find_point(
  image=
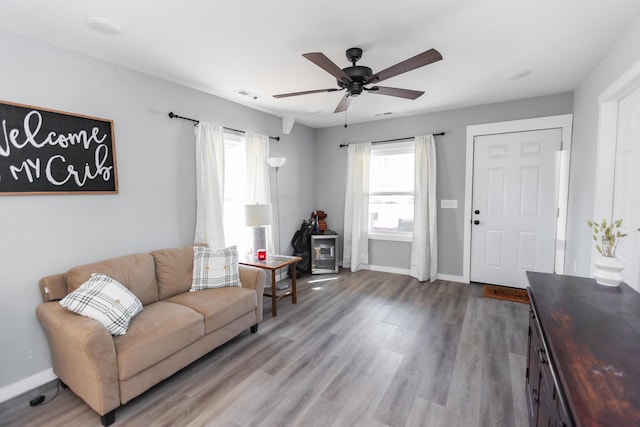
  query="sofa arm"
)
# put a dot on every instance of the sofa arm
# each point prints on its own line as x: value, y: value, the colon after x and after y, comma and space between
x: 53, y: 288
x: 83, y: 356
x: 253, y: 278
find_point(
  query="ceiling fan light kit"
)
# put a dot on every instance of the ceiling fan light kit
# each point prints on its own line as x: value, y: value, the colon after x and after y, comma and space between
x: 356, y: 78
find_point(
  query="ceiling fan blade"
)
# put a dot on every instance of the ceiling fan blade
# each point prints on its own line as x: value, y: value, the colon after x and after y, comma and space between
x: 306, y: 92
x: 344, y: 104
x: 394, y: 91
x: 420, y: 60
x: 328, y: 65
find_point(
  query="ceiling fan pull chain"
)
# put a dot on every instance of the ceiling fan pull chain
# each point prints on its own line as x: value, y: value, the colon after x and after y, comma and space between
x: 345, y: 118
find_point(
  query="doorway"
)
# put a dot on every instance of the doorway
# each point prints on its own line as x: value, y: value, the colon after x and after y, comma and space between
x: 616, y: 172
x: 626, y: 203
x: 514, y: 204
x: 505, y: 250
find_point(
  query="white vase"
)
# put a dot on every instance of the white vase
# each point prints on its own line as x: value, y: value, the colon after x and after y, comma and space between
x: 607, y: 271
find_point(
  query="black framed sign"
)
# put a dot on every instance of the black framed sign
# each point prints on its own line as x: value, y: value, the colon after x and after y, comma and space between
x: 45, y: 151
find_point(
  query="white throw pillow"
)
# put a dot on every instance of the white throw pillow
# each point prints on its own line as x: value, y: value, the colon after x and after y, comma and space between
x: 215, y: 269
x: 106, y: 300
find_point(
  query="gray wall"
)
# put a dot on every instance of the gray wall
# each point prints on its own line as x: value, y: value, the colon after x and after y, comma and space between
x: 620, y: 57
x: 450, y: 154
x: 155, y: 208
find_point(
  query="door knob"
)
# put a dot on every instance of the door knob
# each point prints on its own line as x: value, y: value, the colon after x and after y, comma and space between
x: 476, y: 222
x: 476, y: 212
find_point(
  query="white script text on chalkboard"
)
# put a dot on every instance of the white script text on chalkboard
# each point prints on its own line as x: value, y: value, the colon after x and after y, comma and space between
x: 45, y: 151
x: 83, y: 137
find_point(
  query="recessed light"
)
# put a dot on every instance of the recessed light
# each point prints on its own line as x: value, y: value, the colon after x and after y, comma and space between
x: 103, y: 25
x: 517, y: 75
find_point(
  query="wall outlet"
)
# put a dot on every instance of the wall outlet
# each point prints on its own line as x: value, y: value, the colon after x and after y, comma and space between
x: 449, y: 204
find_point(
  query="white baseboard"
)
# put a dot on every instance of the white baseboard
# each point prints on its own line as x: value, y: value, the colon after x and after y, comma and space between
x: 22, y: 386
x: 405, y: 271
x: 450, y: 278
x: 385, y: 269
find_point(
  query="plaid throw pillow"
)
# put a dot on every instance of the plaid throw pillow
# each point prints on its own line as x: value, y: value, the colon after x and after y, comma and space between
x: 106, y: 300
x: 215, y: 269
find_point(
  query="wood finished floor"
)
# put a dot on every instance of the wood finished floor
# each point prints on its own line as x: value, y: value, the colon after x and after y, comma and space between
x: 365, y: 349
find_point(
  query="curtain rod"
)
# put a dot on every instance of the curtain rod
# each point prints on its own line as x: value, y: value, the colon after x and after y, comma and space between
x: 175, y: 116
x: 393, y: 140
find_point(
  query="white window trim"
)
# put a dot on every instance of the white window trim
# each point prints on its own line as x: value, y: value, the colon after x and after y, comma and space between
x: 231, y: 137
x: 234, y: 141
x: 395, y: 236
x: 385, y: 150
x: 393, y: 148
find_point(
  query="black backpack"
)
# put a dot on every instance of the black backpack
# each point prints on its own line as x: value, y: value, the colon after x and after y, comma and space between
x: 301, y: 243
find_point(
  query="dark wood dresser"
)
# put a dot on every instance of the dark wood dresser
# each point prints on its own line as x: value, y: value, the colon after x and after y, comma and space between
x: 584, y: 353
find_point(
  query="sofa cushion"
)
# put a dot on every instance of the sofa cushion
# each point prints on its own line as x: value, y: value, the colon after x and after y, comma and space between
x: 215, y: 268
x: 219, y: 307
x: 136, y: 272
x: 174, y: 270
x: 161, y: 330
x: 103, y: 299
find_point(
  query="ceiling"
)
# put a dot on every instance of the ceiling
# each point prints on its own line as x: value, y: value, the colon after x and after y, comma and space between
x: 223, y: 46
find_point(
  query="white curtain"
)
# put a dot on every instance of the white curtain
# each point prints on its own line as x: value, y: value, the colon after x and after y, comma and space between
x: 258, y: 188
x: 209, y: 185
x: 356, y: 207
x: 424, y: 247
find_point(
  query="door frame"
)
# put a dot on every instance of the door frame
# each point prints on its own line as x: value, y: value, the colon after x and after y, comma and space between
x: 607, y: 142
x: 564, y: 122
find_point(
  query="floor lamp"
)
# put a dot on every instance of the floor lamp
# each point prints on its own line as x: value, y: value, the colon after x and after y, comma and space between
x: 277, y: 162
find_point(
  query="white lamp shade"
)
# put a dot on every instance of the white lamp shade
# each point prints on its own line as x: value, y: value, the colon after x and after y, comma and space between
x: 276, y: 162
x: 259, y: 214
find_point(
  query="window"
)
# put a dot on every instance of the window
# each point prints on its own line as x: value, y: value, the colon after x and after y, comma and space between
x: 391, y: 181
x: 235, y: 184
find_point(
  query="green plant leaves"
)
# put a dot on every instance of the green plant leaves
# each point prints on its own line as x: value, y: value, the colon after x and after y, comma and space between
x: 609, y: 236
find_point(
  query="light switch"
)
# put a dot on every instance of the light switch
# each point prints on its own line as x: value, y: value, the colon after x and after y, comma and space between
x: 449, y: 204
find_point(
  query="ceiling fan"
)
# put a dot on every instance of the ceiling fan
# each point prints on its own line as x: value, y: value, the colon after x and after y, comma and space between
x: 356, y: 78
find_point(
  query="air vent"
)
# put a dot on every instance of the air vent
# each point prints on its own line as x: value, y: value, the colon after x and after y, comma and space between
x: 517, y: 75
x: 103, y: 25
x: 246, y: 93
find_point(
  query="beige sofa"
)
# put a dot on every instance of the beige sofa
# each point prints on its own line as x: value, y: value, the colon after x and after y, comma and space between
x: 175, y: 328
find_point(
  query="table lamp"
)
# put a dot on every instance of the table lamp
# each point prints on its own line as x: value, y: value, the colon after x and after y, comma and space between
x: 258, y: 216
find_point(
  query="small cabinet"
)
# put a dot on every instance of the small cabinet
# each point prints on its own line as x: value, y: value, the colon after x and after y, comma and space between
x: 324, y: 253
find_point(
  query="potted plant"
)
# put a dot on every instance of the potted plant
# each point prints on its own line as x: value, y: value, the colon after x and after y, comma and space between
x: 607, y: 237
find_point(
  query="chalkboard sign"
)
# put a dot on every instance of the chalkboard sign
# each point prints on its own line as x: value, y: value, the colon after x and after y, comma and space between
x: 45, y: 151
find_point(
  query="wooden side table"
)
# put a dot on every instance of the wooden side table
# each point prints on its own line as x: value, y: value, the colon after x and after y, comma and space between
x: 273, y: 263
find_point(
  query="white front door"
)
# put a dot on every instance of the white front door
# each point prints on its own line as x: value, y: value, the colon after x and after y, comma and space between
x: 514, y: 205
x: 626, y: 202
